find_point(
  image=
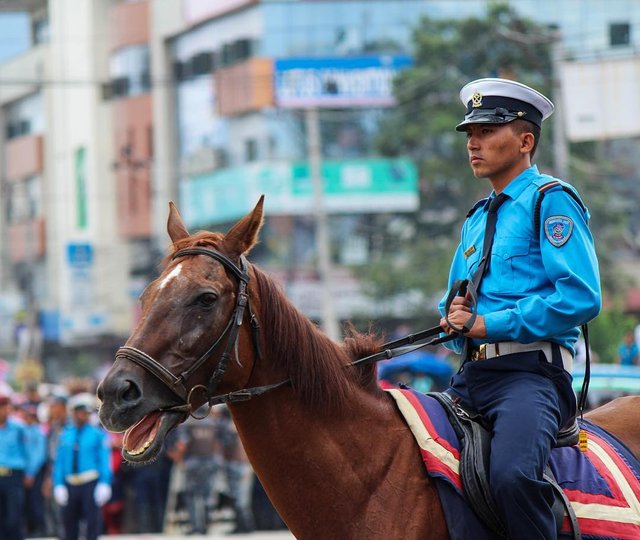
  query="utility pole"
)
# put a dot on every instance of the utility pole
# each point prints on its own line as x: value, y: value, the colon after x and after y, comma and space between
x: 329, y: 320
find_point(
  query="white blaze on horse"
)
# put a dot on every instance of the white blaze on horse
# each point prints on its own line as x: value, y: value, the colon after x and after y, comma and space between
x: 334, y: 454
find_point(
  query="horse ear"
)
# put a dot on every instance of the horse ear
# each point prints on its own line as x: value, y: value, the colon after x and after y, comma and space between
x: 244, y: 234
x: 175, y: 226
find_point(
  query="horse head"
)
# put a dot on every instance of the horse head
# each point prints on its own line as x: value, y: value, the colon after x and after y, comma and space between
x: 190, y: 331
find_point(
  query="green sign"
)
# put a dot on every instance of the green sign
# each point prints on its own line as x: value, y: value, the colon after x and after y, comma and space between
x: 350, y: 186
x: 80, y: 163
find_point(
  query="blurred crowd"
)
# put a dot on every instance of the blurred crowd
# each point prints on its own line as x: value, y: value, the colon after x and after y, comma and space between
x: 62, y: 475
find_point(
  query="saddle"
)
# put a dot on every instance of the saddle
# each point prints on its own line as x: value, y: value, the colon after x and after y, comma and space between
x: 475, y: 444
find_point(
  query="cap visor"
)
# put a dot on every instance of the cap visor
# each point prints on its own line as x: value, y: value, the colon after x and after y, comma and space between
x: 483, y: 119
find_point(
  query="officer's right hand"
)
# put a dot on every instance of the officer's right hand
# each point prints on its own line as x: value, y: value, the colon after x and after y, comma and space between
x: 460, y: 303
x: 61, y: 495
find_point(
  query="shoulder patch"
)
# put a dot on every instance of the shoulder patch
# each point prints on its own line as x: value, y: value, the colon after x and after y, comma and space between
x: 558, y: 229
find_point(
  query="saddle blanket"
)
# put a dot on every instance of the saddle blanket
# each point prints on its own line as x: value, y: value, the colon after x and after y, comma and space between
x: 603, y: 483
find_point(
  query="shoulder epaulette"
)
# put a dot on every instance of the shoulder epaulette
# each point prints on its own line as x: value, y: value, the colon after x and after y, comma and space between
x: 546, y: 188
x: 480, y: 203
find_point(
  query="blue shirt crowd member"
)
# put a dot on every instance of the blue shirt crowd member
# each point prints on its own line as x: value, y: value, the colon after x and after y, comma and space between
x: 18, y: 466
x: 82, y: 473
x: 34, y: 498
x: 628, y: 351
x: 540, y: 283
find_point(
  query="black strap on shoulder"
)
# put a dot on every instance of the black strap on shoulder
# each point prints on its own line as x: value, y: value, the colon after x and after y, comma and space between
x: 543, y: 190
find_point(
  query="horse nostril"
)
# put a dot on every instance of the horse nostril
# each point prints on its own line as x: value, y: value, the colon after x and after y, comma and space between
x: 129, y: 392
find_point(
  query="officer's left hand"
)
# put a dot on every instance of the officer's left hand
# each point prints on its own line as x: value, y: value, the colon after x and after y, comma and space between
x: 102, y: 494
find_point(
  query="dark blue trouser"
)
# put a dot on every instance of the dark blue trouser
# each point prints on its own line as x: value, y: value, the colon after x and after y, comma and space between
x: 526, y: 400
x: 11, y: 506
x: 149, y: 492
x: 81, y: 508
x: 35, y: 507
x: 199, y: 474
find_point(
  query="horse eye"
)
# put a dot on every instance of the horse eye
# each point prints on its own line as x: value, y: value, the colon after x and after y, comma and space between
x: 207, y: 300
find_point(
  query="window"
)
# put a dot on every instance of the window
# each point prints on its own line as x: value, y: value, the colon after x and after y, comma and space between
x: 24, y: 117
x: 619, y: 34
x: 129, y: 72
x: 40, y: 30
x: 250, y: 150
x: 24, y: 201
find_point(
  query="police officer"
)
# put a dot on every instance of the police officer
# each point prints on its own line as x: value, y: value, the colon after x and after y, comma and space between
x: 37, y: 442
x: 199, y: 449
x: 535, y: 287
x: 82, y: 471
x: 17, y: 470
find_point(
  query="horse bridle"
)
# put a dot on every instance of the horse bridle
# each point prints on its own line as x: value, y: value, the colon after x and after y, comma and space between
x: 177, y: 383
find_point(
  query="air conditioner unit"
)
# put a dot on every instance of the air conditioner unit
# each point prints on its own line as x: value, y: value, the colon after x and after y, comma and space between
x: 203, y: 63
x: 120, y: 86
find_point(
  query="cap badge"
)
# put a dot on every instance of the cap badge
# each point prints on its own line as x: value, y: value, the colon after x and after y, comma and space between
x: 476, y: 99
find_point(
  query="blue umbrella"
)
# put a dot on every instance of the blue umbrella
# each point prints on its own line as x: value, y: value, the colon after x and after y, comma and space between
x: 416, y: 362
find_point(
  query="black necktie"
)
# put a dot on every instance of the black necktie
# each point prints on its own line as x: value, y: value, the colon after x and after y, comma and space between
x: 75, y: 466
x: 470, y: 287
x: 489, y: 232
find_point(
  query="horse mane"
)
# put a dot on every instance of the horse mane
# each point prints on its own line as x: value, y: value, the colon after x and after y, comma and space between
x: 317, y: 366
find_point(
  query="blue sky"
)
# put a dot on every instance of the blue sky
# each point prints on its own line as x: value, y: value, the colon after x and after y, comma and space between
x: 14, y: 35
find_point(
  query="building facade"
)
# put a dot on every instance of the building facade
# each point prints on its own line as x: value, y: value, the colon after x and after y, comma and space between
x: 118, y: 107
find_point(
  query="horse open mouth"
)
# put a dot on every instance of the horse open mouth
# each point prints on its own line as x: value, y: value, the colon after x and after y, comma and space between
x: 143, y: 441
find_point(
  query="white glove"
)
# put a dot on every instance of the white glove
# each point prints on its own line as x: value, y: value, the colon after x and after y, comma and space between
x: 102, y: 494
x: 61, y: 495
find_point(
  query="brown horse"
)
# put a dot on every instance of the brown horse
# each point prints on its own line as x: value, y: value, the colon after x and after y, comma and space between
x: 329, y: 446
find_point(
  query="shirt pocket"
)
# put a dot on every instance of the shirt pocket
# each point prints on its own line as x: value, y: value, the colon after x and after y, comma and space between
x: 511, y: 264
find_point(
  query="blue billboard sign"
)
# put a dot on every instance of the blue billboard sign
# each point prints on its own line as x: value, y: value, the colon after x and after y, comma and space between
x: 360, y: 81
x: 79, y: 254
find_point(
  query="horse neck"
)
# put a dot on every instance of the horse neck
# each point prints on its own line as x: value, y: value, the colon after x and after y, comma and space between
x: 332, y: 454
x: 335, y: 476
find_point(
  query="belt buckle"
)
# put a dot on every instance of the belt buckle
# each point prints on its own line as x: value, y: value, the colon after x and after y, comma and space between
x: 480, y: 353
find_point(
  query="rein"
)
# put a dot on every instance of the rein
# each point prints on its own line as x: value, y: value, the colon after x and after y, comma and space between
x: 177, y: 383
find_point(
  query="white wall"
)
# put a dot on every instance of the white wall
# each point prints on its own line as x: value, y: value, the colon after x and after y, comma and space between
x: 94, y: 299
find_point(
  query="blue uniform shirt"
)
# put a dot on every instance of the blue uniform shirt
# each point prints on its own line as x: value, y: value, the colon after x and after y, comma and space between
x: 37, y: 441
x: 15, y: 450
x: 93, y: 453
x: 541, y: 284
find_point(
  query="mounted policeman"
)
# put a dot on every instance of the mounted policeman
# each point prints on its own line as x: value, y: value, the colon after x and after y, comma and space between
x: 524, y: 278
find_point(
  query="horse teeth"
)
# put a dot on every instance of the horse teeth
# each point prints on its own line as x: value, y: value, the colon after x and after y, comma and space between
x: 139, y: 451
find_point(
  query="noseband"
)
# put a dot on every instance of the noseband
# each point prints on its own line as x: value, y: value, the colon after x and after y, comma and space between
x: 177, y: 383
